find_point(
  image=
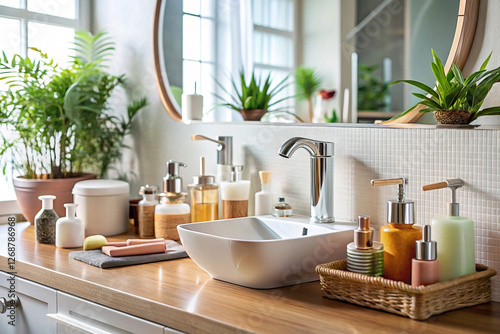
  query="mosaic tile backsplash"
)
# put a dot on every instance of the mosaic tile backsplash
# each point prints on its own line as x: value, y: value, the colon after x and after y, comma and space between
x: 422, y: 156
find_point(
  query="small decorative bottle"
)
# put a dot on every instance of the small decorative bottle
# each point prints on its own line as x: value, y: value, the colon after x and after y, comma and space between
x: 425, y: 266
x: 146, y: 211
x: 45, y: 221
x: 282, y: 209
x: 365, y: 256
x: 204, y: 196
x: 70, y: 232
x: 235, y: 194
x: 264, y: 198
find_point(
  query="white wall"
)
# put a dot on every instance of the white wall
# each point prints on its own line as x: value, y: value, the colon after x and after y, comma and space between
x: 422, y: 155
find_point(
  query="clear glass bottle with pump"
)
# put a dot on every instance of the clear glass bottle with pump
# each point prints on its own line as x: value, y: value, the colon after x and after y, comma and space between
x: 399, y: 235
x: 172, y: 209
x: 425, y: 266
x: 146, y: 211
x: 45, y: 221
x: 365, y: 256
x: 235, y: 194
x: 282, y: 209
x: 204, y: 195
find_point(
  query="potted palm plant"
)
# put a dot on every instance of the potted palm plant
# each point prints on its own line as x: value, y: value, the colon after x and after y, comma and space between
x: 59, y: 122
x: 307, y: 84
x: 255, y: 98
x: 455, y: 100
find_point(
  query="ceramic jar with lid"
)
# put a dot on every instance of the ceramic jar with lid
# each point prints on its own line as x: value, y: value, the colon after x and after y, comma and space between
x: 103, y: 206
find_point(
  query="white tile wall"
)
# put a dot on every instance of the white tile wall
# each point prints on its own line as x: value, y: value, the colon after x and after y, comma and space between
x: 423, y: 156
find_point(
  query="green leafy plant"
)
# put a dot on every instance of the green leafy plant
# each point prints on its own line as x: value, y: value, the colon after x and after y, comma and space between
x: 454, y: 92
x: 254, y: 95
x: 59, y: 120
x: 307, y: 83
x: 371, y: 90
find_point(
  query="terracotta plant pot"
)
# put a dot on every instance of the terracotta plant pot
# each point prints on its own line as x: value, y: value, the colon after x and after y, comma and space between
x: 28, y: 190
x: 253, y: 114
x: 452, y: 116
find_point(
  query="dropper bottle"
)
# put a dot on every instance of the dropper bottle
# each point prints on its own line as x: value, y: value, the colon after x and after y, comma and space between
x: 204, y: 196
x: 45, y: 221
x: 425, y: 266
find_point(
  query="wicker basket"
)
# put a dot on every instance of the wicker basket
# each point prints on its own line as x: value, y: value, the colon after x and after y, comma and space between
x: 417, y: 303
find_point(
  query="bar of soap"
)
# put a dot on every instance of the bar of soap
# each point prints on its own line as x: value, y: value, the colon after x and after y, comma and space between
x: 94, y: 242
x: 141, y: 249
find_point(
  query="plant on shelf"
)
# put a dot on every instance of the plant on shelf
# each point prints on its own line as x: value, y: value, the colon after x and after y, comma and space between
x: 456, y: 100
x: 307, y: 84
x: 371, y: 90
x: 255, y: 98
x: 58, y: 122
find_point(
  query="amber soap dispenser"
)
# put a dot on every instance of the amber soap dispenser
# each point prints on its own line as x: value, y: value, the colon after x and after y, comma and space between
x: 204, y: 196
x: 399, y: 235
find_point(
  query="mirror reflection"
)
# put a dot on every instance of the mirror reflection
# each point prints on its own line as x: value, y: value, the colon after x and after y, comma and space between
x: 327, y: 61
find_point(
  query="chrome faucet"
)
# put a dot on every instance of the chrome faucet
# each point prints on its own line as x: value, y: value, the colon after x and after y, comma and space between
x: 321, y: 175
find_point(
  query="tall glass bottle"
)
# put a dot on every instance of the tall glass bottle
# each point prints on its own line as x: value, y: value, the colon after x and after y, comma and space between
x: 204, y: 196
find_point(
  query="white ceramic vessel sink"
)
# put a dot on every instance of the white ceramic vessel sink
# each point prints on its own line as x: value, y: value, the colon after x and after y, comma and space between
x: 264, y: 252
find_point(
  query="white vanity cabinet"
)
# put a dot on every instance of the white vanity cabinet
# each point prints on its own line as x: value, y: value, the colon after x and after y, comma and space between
x: 35, y: 302
x: 45, y: 310
x: 76, y: 315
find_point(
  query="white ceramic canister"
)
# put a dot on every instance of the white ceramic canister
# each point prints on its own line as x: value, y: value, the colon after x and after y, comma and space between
x: 103, y: 206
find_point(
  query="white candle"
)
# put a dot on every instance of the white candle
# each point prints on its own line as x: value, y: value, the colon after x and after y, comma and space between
x: 192, y: 107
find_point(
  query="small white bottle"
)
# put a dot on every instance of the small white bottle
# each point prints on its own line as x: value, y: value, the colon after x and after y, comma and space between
x: 70, y: 232
x: 235, y: 194
x: 146, y: 211
x: 264, y: 198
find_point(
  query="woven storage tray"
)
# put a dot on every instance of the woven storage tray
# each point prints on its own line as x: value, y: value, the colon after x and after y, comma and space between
x: 400, y: 298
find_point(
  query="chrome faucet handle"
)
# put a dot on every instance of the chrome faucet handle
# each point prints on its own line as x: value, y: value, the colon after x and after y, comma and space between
x: 224, y: 148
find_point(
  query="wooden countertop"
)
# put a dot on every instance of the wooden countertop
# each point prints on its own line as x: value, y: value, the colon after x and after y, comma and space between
x: 181, y: 295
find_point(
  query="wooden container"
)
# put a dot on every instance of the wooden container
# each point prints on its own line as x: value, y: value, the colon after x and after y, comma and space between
x: 417, y: 303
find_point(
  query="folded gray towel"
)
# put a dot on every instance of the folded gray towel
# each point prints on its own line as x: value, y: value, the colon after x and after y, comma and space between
x: 101, y: 260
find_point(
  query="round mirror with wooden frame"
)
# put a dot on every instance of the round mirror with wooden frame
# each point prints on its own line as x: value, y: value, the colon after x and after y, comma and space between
x: 458, y: 54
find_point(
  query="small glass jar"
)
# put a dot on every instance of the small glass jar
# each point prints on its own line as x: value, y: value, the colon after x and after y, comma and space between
x: 169, y: 213
x: 282, y: 209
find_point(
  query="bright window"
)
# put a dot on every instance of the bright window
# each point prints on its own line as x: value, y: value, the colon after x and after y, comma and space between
x: 48, y: 25
x: 274, y: 40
